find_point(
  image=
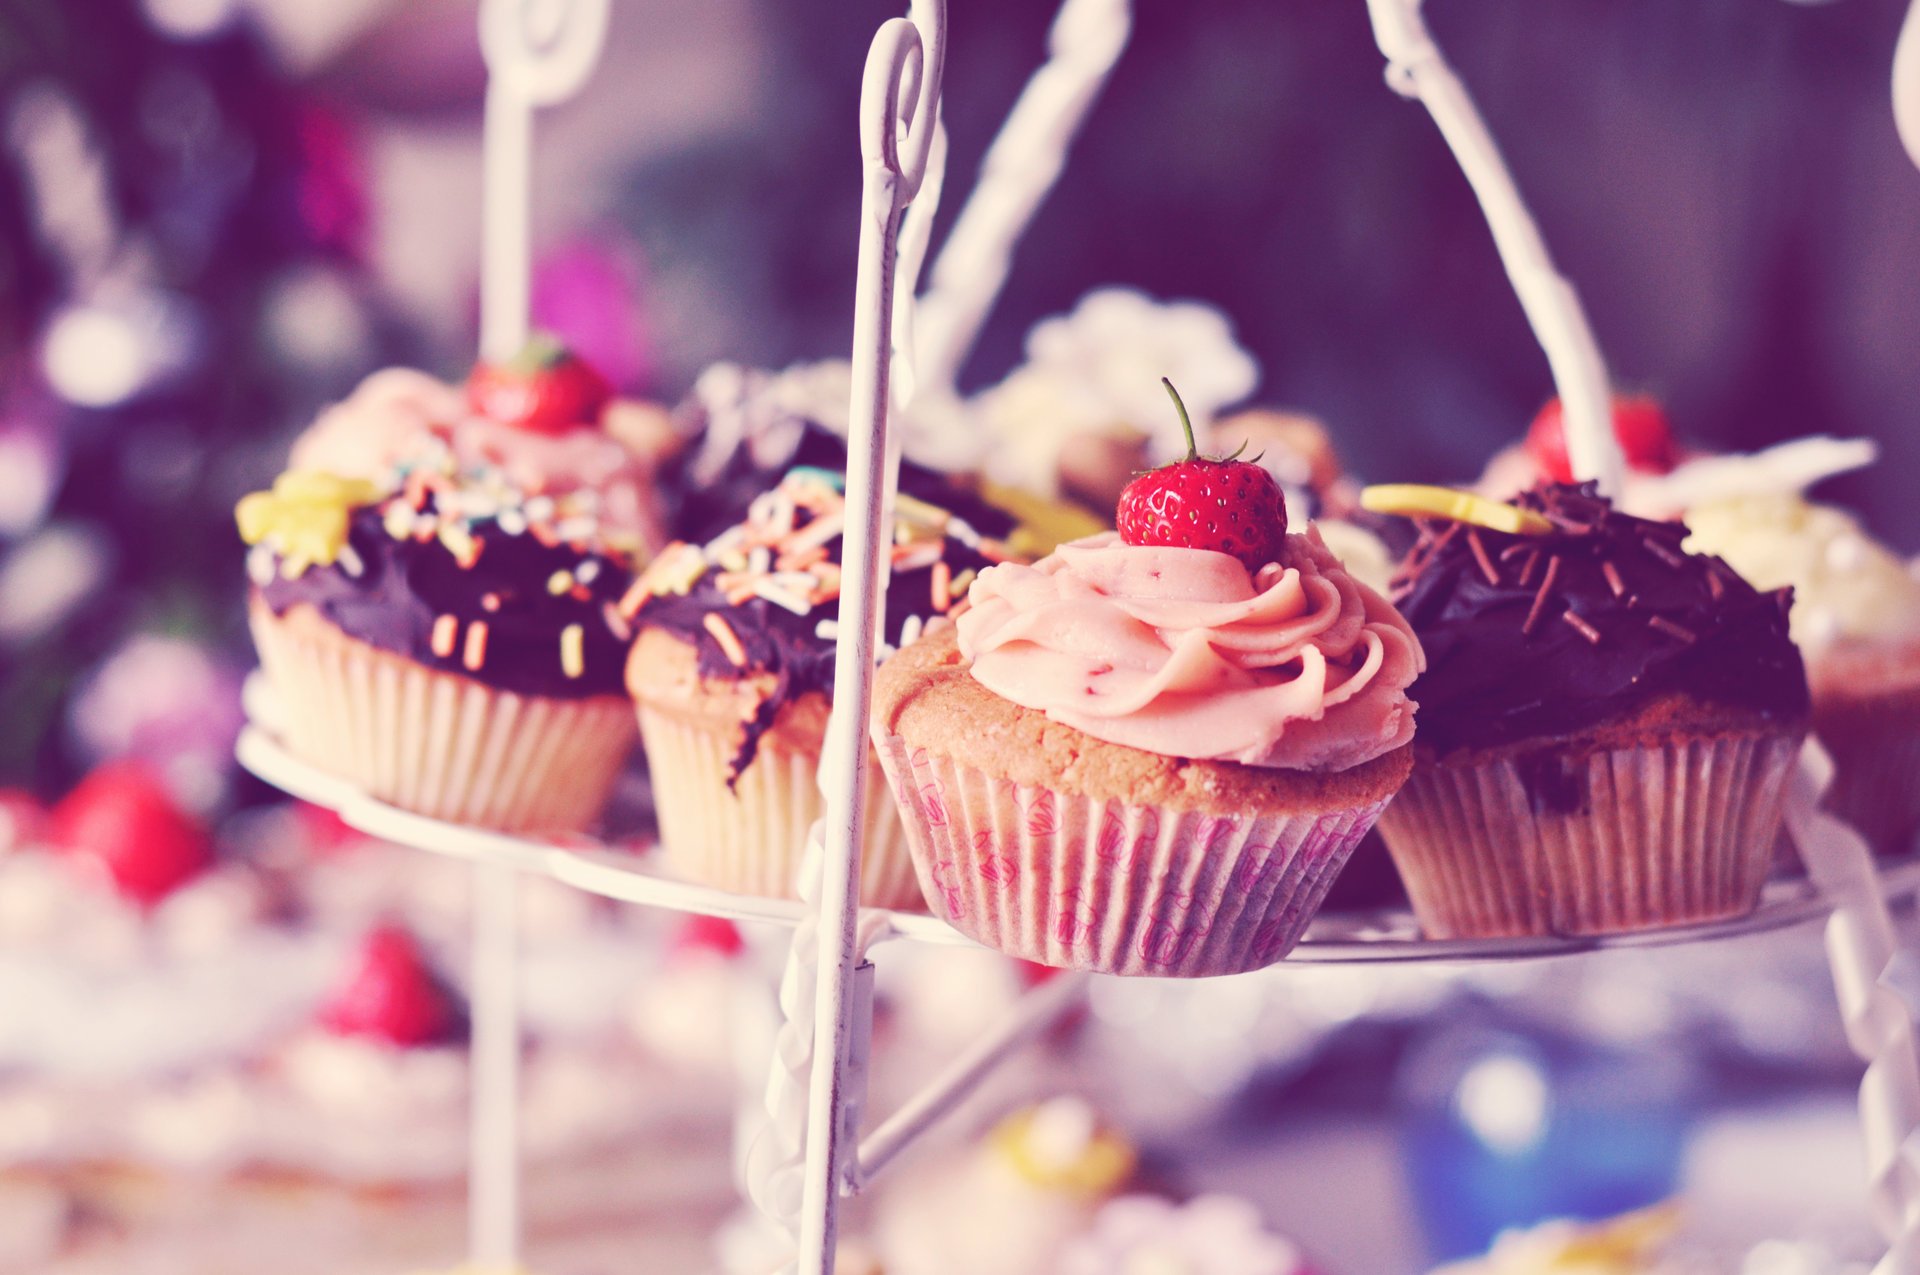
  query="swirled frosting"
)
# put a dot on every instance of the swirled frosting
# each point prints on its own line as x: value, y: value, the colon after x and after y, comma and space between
x: 1182, y: 652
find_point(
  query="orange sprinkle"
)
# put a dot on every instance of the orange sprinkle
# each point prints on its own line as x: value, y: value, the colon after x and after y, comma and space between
x: 476, y: 653
x: 942, y: 587
x: 728, y: 640
x: 740, y: 594
x: 994, y: 551
x: 634, y: 597
x: 445, y: 630
x: 802, y: 560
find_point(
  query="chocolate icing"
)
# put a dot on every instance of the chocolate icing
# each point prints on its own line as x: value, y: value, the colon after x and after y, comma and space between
x: 1546, y: 636
x: 708, y: 487
x: 787, y: 645
x: 405, y: 586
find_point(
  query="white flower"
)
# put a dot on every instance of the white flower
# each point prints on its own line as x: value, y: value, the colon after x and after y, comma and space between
x: 1098, y: 370
x: 1211, y: 1235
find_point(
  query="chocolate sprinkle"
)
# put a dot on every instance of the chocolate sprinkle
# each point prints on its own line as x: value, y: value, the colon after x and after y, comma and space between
x: 1540, y: 598
x: 1672, y: 628
x: 1479, y: 548
x: 1581, y: 626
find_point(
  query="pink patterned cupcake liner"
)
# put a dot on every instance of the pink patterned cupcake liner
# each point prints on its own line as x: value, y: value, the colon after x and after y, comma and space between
x: 1051, y: 876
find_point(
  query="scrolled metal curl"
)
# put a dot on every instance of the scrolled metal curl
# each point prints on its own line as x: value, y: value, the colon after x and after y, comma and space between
x: 542, y: 50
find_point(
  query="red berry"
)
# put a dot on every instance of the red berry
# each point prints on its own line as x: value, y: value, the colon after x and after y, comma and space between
x: 1638, y: 422
x: 545, y: 389
x: 1226, y: 505
x: 708, y: 934
x: 122, y: 818
x: 393, y: 995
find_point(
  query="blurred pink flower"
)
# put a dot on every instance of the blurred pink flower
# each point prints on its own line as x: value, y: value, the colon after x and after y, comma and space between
x: 588, y: 292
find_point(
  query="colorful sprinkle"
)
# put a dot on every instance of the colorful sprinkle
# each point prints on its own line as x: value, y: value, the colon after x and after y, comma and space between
x: 728, y: 641
x: 559, y: 582
x: 446, y: 630
x: 573, y: 650
x: 475, y: 655
x: 942, y: 587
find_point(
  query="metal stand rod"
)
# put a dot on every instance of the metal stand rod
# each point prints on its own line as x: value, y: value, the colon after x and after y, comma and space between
x: 493, y: 1185
x: 1038, y: 1010
x: 1906, y: 83
x: 1020, y: 168
x: 1417, y: 69
x: 1879, y: 1018
x: 899, y: 111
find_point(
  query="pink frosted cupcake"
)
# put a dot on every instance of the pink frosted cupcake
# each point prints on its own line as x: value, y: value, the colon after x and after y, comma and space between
x: 436, y: 589
x: 1152, y: 752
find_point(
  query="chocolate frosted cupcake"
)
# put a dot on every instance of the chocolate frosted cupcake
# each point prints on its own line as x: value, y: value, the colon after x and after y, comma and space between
x: 1606, y: 722
x: 447, y: 636
x: 733, y: 677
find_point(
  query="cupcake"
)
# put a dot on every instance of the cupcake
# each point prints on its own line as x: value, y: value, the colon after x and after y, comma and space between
x: 1211, y: 1235
x: 1009, y: 1204
x: 1152, y: 752
x: 444, y: 633
x: 1856, y: 618
x: 1606, y: 721
x: 732, y: 676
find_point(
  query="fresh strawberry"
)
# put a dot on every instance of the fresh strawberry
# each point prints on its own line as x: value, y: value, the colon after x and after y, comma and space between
x: 1223, y: 504
x: 708, y: 934
x: 123, y: 819
x: 1638, y: 422
x: 546, y: 389
x: 393, y: 995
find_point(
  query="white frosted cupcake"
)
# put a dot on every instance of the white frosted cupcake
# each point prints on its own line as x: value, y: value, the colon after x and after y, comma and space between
x: 1856, y: 619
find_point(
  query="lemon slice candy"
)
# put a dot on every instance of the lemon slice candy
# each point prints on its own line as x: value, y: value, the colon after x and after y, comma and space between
x: 1418, y: 500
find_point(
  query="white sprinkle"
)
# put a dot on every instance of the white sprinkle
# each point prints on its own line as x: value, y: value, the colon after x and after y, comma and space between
x: 910, y: 630
x: 512, y: 522
x: 588, y: 571
x: 575, y: 528
x: 965, y: 534
x: 261, y: 566
x: 540, y: 508
x: 794, y: 602
x: 827, y: 630
x: 760, y: 561
x: 350, y: 562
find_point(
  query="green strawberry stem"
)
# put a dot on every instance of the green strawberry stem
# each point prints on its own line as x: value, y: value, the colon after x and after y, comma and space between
x: 1186, y: 422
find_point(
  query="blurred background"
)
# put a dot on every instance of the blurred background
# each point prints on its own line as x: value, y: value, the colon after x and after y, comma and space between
x: 218, y: 215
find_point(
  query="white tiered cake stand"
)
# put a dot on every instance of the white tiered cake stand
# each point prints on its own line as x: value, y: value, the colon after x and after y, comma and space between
x: 809, y: 1154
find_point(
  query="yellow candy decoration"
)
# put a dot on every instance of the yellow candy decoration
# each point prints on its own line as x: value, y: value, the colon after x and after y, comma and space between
x: 1058, y: 1146
x: 304, y: 517
x: 1416, y: 500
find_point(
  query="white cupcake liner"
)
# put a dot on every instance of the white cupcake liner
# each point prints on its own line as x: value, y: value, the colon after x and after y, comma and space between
x: 1610, y: 841
x: 1051, y: 876
x: 751, y: 839
x: 438, y: 744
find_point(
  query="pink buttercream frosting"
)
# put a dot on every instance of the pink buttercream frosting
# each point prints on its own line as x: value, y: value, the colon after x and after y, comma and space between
x: 1182, y: 652
x: 399, y: 416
